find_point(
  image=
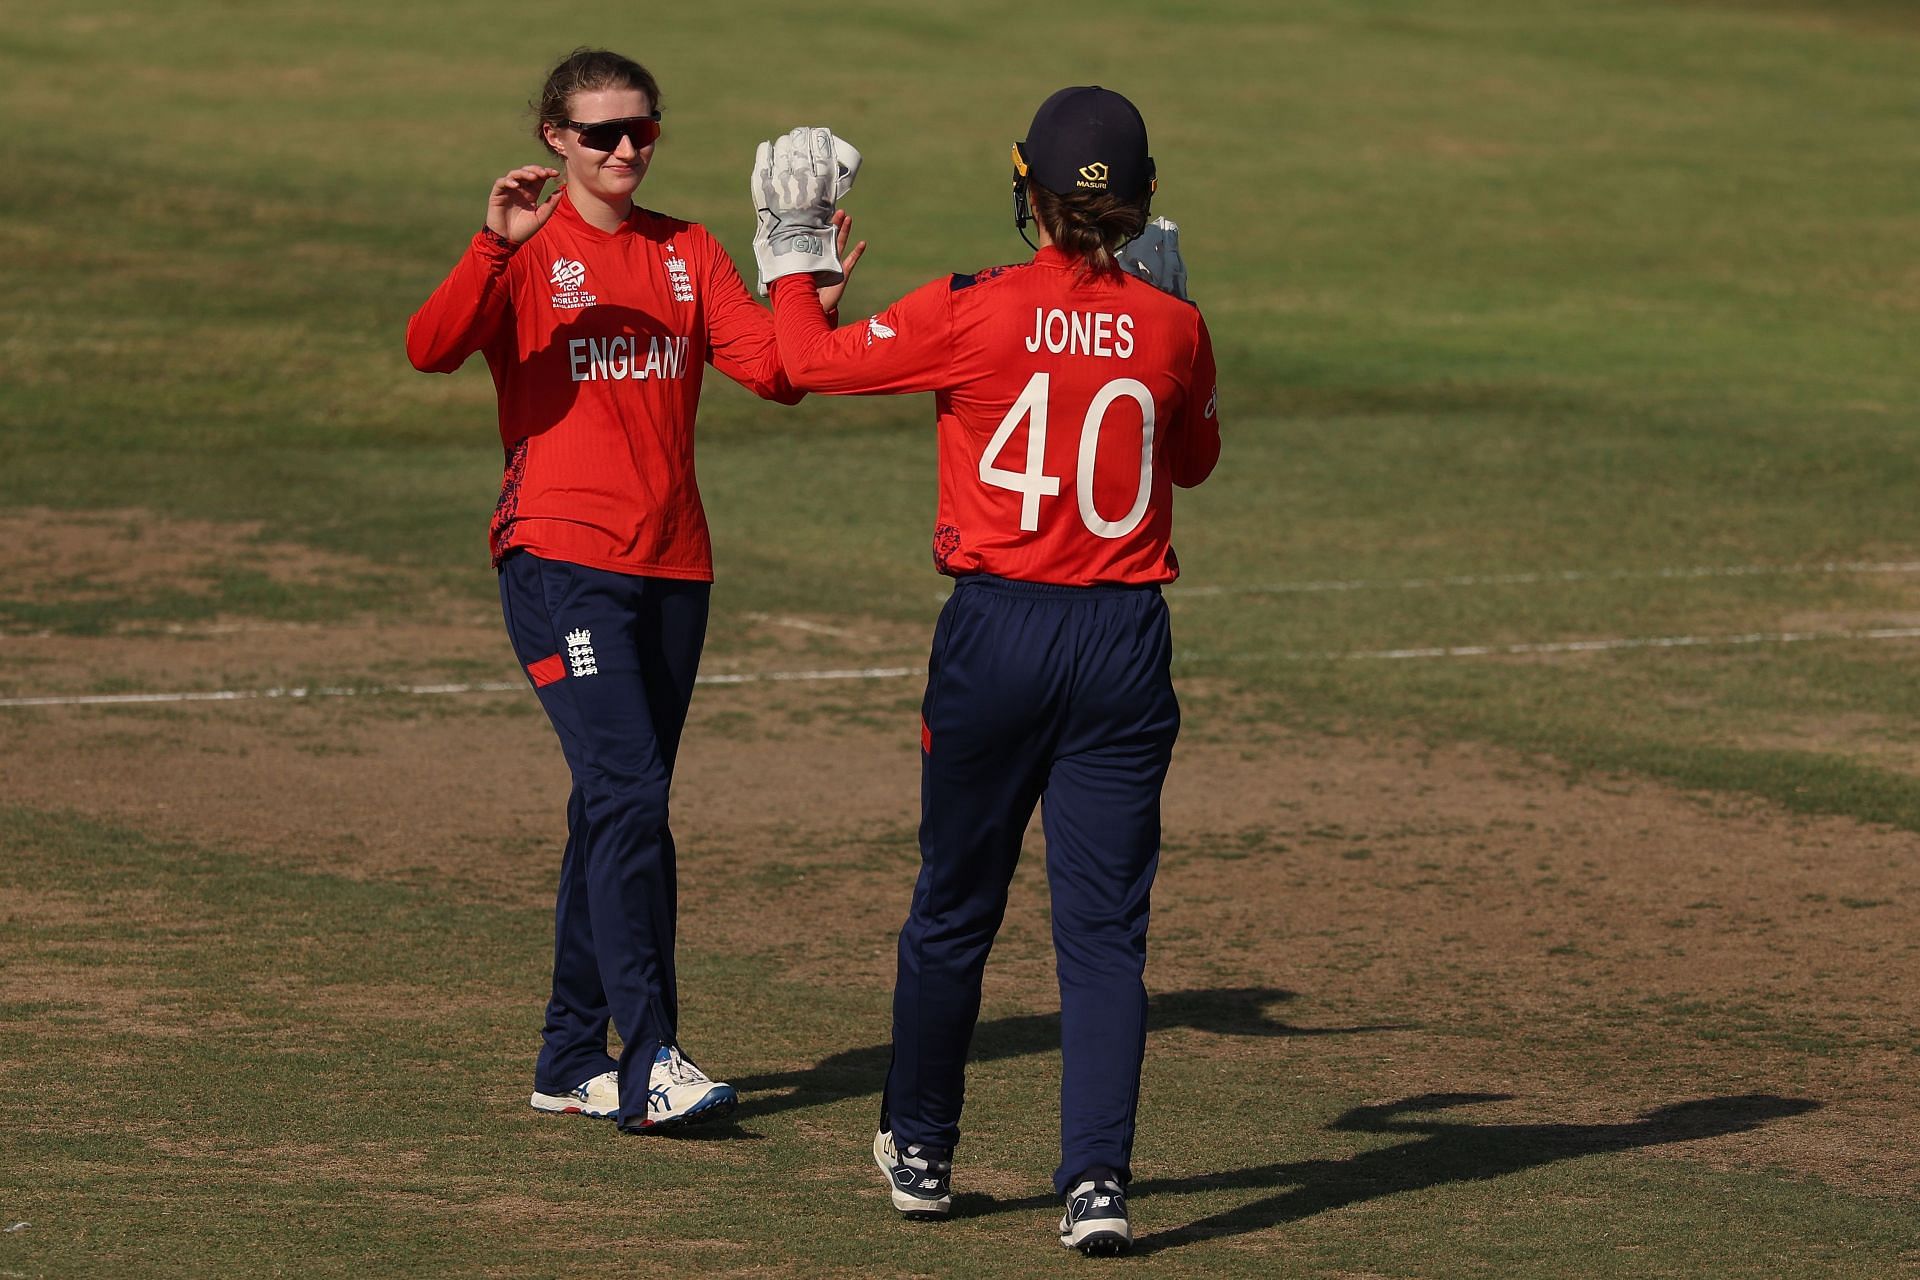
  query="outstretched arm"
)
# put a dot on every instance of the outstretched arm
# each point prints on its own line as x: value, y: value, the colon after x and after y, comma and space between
x: 907, y: 347
x: 740, y: 340
x: 797, y: 178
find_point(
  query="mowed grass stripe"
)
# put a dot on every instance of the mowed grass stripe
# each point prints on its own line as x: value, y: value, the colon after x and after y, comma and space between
x: 269, y: 1069
x: 1691, y: 573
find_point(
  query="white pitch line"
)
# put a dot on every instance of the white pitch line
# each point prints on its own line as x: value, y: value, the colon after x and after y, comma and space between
x: 1593, y: 646
x: 478, y: 686
x: 1614, y: 644
x: 851, y: 673
x: 1536, y: 579
x: 251, y: 695
x: 797, y: 624
x: 895, y: 673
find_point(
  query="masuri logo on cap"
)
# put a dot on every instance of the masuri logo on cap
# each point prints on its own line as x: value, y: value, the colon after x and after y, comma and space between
x: 1091, y: 138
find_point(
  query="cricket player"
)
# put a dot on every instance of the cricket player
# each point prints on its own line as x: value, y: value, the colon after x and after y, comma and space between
x: 1071, y: 397
x: 596, y: 318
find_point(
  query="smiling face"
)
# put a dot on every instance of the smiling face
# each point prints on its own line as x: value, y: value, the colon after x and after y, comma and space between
x: 610, y: 176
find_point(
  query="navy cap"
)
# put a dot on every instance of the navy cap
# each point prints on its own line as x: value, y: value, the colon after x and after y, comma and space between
x: 1089, y: 139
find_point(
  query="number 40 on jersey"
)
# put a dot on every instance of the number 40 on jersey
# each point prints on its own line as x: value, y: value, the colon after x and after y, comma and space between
x: 1033, y: 483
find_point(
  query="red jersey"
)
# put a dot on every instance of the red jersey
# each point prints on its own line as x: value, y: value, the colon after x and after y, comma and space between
x: 1068, y: 408
x: 597, y: 342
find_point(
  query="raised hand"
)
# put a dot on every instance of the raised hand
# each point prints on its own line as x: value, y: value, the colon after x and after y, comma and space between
x: 796, y: 179
x: 514, y: 207
x: 1154, y: 256
x: 842, y: 232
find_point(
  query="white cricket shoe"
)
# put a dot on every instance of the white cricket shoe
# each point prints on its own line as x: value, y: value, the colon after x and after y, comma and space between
x: 599, y: 1096
x: 1095, y: 1222
x: 679, y: 1093
x: 921, y: 1184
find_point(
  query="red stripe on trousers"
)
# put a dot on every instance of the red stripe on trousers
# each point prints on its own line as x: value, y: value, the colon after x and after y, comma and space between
x: 547, y: 670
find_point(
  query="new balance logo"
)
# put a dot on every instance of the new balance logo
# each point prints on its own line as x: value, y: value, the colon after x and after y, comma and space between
x: 1101, y: 1202
x: 929, y: 1183
x: 580, y: 659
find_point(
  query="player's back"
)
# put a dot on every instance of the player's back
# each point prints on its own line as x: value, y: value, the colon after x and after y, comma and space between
x: 1076, y: 402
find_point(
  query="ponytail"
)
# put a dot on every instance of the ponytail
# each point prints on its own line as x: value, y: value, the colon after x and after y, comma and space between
x: 1089, y: 227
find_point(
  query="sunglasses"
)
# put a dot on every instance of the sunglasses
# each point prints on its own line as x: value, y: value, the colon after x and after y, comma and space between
x: 605, y: 135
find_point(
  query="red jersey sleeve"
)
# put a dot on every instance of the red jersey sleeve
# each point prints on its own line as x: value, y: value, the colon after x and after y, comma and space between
x: 1193, y: 446
x: 740, y: 340
x: 906, y: 348
x: 465, y: 312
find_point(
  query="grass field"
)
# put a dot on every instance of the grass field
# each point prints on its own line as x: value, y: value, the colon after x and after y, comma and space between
x: 1541, y: 887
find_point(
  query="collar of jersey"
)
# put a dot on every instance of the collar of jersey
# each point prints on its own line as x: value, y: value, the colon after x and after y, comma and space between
x: 1052, y: 256
x: 575, y: 222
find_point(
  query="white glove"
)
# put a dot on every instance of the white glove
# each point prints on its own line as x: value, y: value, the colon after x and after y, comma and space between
x: 797, y: 179
x: 1154, y: 256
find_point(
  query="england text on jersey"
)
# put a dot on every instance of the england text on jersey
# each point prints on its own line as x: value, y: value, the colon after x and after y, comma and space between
x: 622, y: 356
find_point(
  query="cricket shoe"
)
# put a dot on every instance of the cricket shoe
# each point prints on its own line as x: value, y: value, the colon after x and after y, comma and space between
x: 1095, y: 1222
x: 679, y: 1093
x: 599, y: 1096
x: 921, y: 1184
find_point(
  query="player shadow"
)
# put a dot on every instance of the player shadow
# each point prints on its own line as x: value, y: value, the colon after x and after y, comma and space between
x: 724, y: 1130
x: 854, y: 1073
x: 1444, y: 1152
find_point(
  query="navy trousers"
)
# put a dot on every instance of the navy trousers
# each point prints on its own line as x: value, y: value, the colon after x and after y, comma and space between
x: 1059, y: 696
x: 612, y: 657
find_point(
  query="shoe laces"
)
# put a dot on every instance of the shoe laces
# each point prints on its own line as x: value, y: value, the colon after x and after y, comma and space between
x: 681, y: 1071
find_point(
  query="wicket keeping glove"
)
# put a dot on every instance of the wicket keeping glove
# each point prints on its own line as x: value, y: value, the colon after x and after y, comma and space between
x: 1154, y: 256
x: 797, y: 179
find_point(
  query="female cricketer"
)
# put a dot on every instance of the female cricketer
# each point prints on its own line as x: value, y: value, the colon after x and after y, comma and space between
x: 596, y: 318
x: 1071, y: 397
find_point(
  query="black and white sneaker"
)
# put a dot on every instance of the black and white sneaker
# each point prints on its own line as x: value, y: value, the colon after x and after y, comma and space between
x: 1095, y: 1222
x: 921, y: 1184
